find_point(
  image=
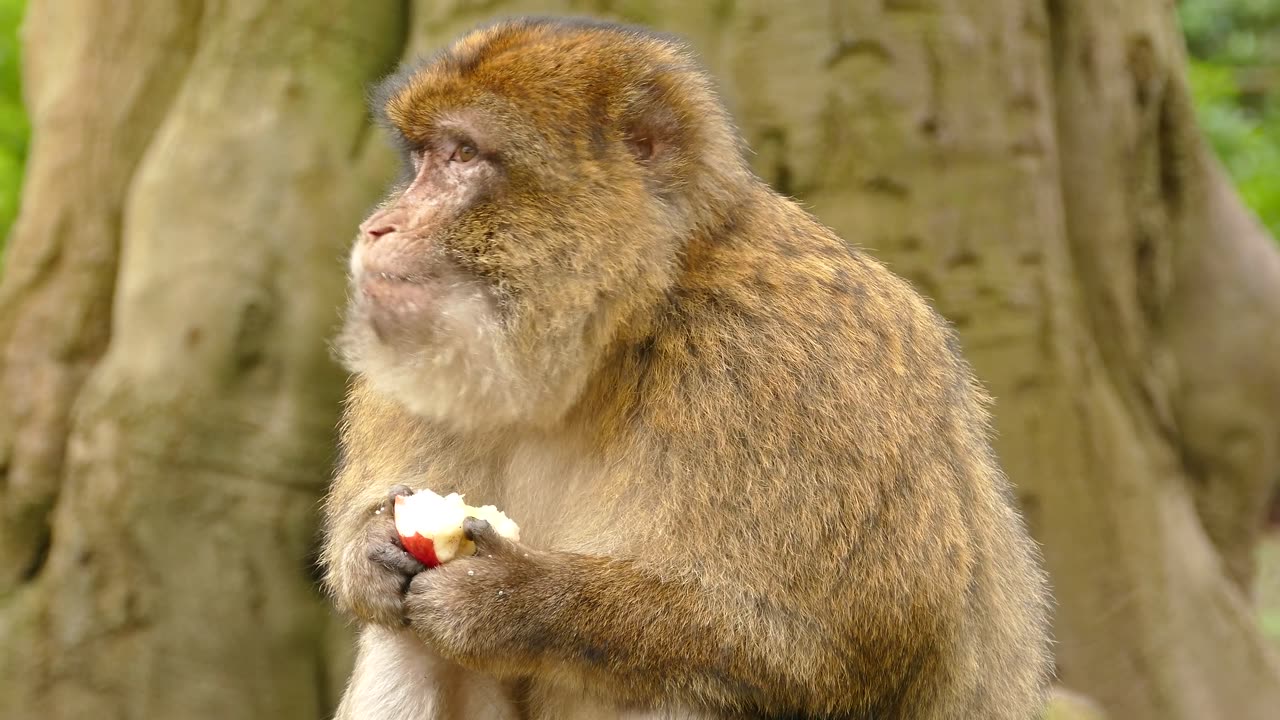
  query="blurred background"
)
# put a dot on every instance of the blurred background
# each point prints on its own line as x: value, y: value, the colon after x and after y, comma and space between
x: 1087, y: 189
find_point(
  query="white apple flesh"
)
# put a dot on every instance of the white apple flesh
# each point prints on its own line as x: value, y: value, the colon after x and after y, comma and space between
x: 430, y: 525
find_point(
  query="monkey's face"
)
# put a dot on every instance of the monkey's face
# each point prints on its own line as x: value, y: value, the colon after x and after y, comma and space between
x: 546, y: 200
x: 425, y: 324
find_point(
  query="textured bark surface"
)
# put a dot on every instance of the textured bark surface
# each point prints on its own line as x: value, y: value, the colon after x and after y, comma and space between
x: 1181, y: 300
x: 196, y: 170
x: 170, y: 398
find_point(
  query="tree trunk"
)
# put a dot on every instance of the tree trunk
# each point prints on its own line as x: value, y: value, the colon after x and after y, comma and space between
x: 196, y: 170
x: 1181, y: 295
x: 1032, y: 166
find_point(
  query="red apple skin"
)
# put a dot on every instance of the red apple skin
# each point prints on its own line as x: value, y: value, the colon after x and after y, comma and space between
x: 422, y: 548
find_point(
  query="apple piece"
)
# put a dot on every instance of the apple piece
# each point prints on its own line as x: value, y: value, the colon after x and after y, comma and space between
x: 422, y: 548
x: 430, y: 525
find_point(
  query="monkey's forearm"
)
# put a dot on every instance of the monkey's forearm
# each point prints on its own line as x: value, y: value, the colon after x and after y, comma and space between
x: 610, y: 624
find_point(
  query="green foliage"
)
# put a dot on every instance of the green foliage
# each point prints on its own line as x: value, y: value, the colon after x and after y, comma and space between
x: 1236, y: 32
x: 13, y: 121
x: 1235, y: 77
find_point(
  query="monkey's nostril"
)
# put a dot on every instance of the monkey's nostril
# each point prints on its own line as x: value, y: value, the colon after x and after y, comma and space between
x: 373, y: 232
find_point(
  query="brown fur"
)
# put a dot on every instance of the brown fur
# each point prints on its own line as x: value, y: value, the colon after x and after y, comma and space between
x: 752, y: 471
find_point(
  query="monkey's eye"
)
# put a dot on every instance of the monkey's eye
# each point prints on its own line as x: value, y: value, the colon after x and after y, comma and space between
x: 464, y: 154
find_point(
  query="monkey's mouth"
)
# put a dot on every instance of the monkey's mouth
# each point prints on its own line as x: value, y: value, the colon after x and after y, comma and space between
x: 390, y: 277
x: 396, y: 306
x: 392, y: 290
x: 413, y: 308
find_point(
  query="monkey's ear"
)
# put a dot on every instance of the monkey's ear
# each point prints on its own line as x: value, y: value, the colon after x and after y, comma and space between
x: 653, y: 130
x: 641, y: 146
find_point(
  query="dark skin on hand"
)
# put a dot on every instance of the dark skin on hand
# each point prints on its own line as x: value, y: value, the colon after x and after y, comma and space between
x: 751, y: 468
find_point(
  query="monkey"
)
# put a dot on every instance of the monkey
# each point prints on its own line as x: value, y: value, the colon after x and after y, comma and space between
x: 752, y: 468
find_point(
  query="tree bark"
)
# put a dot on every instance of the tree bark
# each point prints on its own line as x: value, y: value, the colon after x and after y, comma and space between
x: 196, y: 171
x: 1180, y: 293
x: 1032, y: 166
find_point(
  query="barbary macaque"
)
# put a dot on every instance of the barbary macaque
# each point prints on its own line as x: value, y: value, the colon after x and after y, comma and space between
x: 751, y: 470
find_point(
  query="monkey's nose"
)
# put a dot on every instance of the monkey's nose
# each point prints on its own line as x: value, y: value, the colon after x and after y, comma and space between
x: 382, y: 223
x: 377, y: 230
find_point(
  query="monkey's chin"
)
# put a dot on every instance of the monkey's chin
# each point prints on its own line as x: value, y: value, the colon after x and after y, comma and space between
x: 439, y: 352
x: 399, y: 311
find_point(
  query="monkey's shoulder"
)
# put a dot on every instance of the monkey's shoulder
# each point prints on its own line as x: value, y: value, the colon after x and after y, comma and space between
x: 782, y: 299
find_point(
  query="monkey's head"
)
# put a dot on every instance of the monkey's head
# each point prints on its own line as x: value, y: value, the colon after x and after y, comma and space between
x: 556, y: 172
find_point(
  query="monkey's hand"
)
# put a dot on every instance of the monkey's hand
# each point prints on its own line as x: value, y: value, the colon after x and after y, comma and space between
x: 474, y: 609
x: 370, y: 580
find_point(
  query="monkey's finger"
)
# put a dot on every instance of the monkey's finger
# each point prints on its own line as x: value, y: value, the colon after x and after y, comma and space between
x: 487, y: 540
x: 396, y: 560
x: 389, y: 505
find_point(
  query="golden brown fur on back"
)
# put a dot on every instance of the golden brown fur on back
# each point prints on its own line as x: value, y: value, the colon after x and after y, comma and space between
x: 753, y: 472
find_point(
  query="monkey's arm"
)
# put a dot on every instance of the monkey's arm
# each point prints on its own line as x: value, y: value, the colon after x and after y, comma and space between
x: 612, y: 625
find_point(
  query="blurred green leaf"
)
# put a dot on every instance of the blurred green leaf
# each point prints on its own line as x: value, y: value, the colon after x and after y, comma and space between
x: 13, y: 121
x: 1235, y: 78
